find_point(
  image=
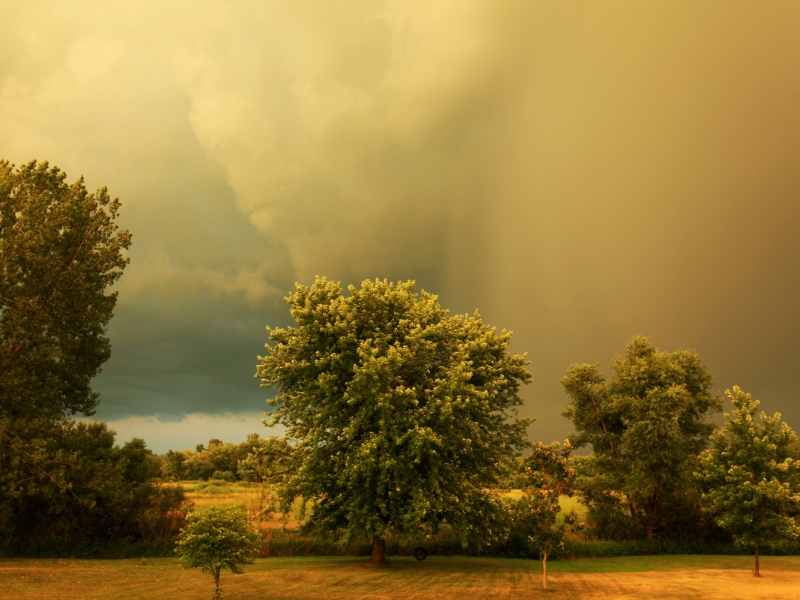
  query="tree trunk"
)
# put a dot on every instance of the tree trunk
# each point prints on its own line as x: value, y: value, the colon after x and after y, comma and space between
x: 544, y: 570
x: 757, y: 570
x: 378, y: 550
x: 217, y: 589
x: 651, y: 506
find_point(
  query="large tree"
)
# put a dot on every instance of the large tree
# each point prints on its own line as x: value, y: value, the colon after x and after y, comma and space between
x: 403, y: 417
x: 60, y: 251
x: 752, y: 476
x: 646, y: 427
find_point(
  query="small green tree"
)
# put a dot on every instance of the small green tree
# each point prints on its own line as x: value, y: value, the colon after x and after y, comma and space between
x: 752, y: 476
x: 548, y: 476
x: 216, y: 539
x: 401, y: 416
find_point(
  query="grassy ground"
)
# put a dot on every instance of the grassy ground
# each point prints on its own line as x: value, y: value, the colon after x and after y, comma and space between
x: 461, y: 578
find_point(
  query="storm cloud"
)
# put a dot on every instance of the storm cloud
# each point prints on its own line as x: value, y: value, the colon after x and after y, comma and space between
x: 579, y: 172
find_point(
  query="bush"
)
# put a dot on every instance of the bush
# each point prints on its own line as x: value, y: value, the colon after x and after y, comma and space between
x: 85, y: 496
x: 224, y: 476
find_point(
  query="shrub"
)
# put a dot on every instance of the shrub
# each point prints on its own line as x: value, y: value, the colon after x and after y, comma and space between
x: 219, y: 538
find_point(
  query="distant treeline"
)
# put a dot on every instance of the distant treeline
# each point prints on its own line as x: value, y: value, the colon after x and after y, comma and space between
x: 253, y: 460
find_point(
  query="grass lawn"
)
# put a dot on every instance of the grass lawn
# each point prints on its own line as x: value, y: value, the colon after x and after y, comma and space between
x: 456, y: 578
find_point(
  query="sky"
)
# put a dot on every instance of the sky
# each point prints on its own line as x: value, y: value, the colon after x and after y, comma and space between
x: 579, y: 172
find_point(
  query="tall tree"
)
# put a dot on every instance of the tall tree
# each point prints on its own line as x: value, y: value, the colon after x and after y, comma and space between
x: 60, y: 251
x: 402, y: 416
x: 646, y: 427
x: 753, y: 476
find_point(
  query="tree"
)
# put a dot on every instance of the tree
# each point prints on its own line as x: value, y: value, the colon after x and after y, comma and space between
x: 59, y: 252
x: 753, y: 476
x: 402, y: 417
x: 548, y: 476
x: 646, y: 427
x: 264, y: 466
x: 216, y: 539
x: 267, y: 460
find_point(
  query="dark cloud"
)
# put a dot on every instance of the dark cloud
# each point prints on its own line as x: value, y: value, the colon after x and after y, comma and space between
x: 196, y: 364
x: 580, y: 172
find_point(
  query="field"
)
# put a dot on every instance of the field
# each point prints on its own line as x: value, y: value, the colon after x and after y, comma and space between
x: 252, y: 498
x: 461, y: 578
x: 206, y: 494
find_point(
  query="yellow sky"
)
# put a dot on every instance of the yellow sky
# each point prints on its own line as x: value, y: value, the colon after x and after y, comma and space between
x: 581, y: 172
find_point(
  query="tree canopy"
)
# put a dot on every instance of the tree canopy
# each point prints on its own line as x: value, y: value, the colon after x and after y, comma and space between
x: 646, y: 427
x: 216, y: 539
x: 60, y: 251
x: 402, y: 416
x: 72, y: 491
x: 752, y: 475
x: 548, y: 475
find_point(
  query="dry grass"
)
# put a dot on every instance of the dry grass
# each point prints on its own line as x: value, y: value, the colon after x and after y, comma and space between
x: 206, y: 494
x: 456, y: 578
x: 252, y: 498
x: 248, y: 496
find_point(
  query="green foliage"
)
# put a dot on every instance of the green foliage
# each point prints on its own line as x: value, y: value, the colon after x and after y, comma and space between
x: 646, y: 428
x: 59, y: 252
x: 267, y: 461
x: 402, y: 417
x: 223, y: 476
x: 255, y: 460
x: 68, y: 486
x: 548, y: 476
x: 752, y: 476
x: 216, y: 539
x: 63, y: 484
